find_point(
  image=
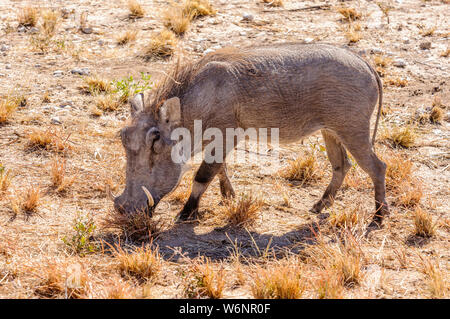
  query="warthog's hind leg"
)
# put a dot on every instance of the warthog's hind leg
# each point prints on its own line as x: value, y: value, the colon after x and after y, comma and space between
x: 340, y: 165
x: 202, y: 179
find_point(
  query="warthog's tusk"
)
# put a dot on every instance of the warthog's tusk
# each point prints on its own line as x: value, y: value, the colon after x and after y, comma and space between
x: 151, y: 202
x: 109, y: 193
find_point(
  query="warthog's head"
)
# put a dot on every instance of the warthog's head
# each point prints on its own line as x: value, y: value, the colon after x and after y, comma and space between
x: 150, y: 173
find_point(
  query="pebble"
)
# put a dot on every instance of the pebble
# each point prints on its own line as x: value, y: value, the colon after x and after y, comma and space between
x: 8, y: 66
x: 58, y: 73
x: 87, y: 30
x: 4, y: 47
x: 21, y: 29
x: 65, y: 104
x: 2, y: 75
x: 425, y: 45
x: 34, y: 30
x: 399, y: 63
x: 247, y: 17
x: 405, y: 40
x: 80, y: 71
x: 376, y: 51
x: 55, y: 120
x: 308, y: 40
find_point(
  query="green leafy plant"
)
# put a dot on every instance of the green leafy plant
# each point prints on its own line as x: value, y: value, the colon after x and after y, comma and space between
x: 81, y: 242
x: 130, y: 86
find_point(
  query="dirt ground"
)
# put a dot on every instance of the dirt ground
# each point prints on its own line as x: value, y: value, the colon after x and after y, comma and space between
x: 411, y: 52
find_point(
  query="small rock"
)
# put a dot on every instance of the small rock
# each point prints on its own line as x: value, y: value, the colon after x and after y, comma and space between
x: 58, y: 73
x: 4, y: 48
x: 87, y: 30
x: 55, y: 120
x: 405, y: 40
x: 65, y: 104
x: 247, y: 17
x: 37, y: 65
x: 2, y: 75
x: 425, y: 45
x: 34, y: 30
x: 208, y: 51
x: 8, y: 66
x: 308, y: 40
x: 376, y: 51
x: 80, y: 71
x: 100, y: 42
x: 21, y: 29
x: 399, y: 63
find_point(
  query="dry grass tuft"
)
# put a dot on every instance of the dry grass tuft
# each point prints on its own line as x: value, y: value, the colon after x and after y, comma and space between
x: 49, y: 139
x: 127, y: 37
x: 437, y: 285
x: 58, y: 175
x: 349, y: 14
x: 303, y: 169
x: 423, y: 222
x: 436, y: 115
x: 95, y: 85
x: 118, y: 290
x: 143, y: 263
x: 136, y: 227
x: 403, y: 136
x: 353, y: 33
x: 400, y: 181
x: 8, y: 106
x: 28, y: 17
x: 26, y: 202
x: 61, y: 280
x: 345, y: 219
x: 49, y: 23
x: 328, y: 285
x: 136, y: 10
x: 243, y: 210
x: 398, y: 82
x: 274, y: 3
x: 107, y: 103
x: 445, y: 54
x: 282, y: 280
x: 198, y: 8
x: 5, y: 179
x: 162, y: 45
x: 428, y: 32
x: 203, y: 281
x: 177, y: 20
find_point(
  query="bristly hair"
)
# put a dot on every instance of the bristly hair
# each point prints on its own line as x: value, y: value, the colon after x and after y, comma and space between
x: 177, y: 80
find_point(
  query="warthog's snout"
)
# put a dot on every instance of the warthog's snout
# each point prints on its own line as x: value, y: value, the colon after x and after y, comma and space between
x: 145, y: 203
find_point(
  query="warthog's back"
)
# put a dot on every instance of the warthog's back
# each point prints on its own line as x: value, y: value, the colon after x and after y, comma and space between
x: 298, y: 88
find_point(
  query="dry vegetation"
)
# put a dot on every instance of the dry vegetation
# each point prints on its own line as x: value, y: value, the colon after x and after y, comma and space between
x: 58, y: 161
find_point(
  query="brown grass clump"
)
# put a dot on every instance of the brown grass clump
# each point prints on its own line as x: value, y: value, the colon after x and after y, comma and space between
x: 49, y: 22
x: 203, y: 281
x: 243, y: 210
x: 352, y: 34
x: 328, y: 285
x: 95, y: 85
x: 428, y: 32
x: 303, y: 169
x: 58, y: 175
x: 5, y: 178
x: 423, y: 222
x: 27, y: 202
x: 8, y: 106
x: 400, y: 181
x: 346, y: 219
x: 176, y: 20
x: 136, y: 227
x: 143, y: 263
x: 343, y: 259
x: 436, y: 282
x: 445, y: 54
x: 118, y: 290
x: 282, y: 280
x: 198, y: 8
x: 49, y: 139
x: 107, y: 103
x: 57, y: 280
x: 136, y: 10
x: 398, y: 82
x: 28, y: 16
x: 436, y: 115
x: 274, y: 3
x: 127, y: 37
x: 385, y: 9
x: 349, y: 14
x: 403, y: 136
x: 162, y: 45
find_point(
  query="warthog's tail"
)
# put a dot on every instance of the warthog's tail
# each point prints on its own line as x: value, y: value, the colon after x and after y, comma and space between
x: 380, y: 102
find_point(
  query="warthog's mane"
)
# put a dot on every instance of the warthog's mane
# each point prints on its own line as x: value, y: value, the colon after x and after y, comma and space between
x: 182, y: 73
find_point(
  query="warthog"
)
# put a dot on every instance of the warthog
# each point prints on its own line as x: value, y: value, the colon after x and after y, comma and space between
x: 298, y: 88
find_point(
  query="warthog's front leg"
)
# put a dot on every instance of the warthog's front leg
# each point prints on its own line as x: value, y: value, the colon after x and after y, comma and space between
x: 202, y: 179
x: 226, y: 189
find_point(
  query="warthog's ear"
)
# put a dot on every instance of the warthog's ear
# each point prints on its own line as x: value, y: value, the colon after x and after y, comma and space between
x: 137, y: 104
x: 170, y: 111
